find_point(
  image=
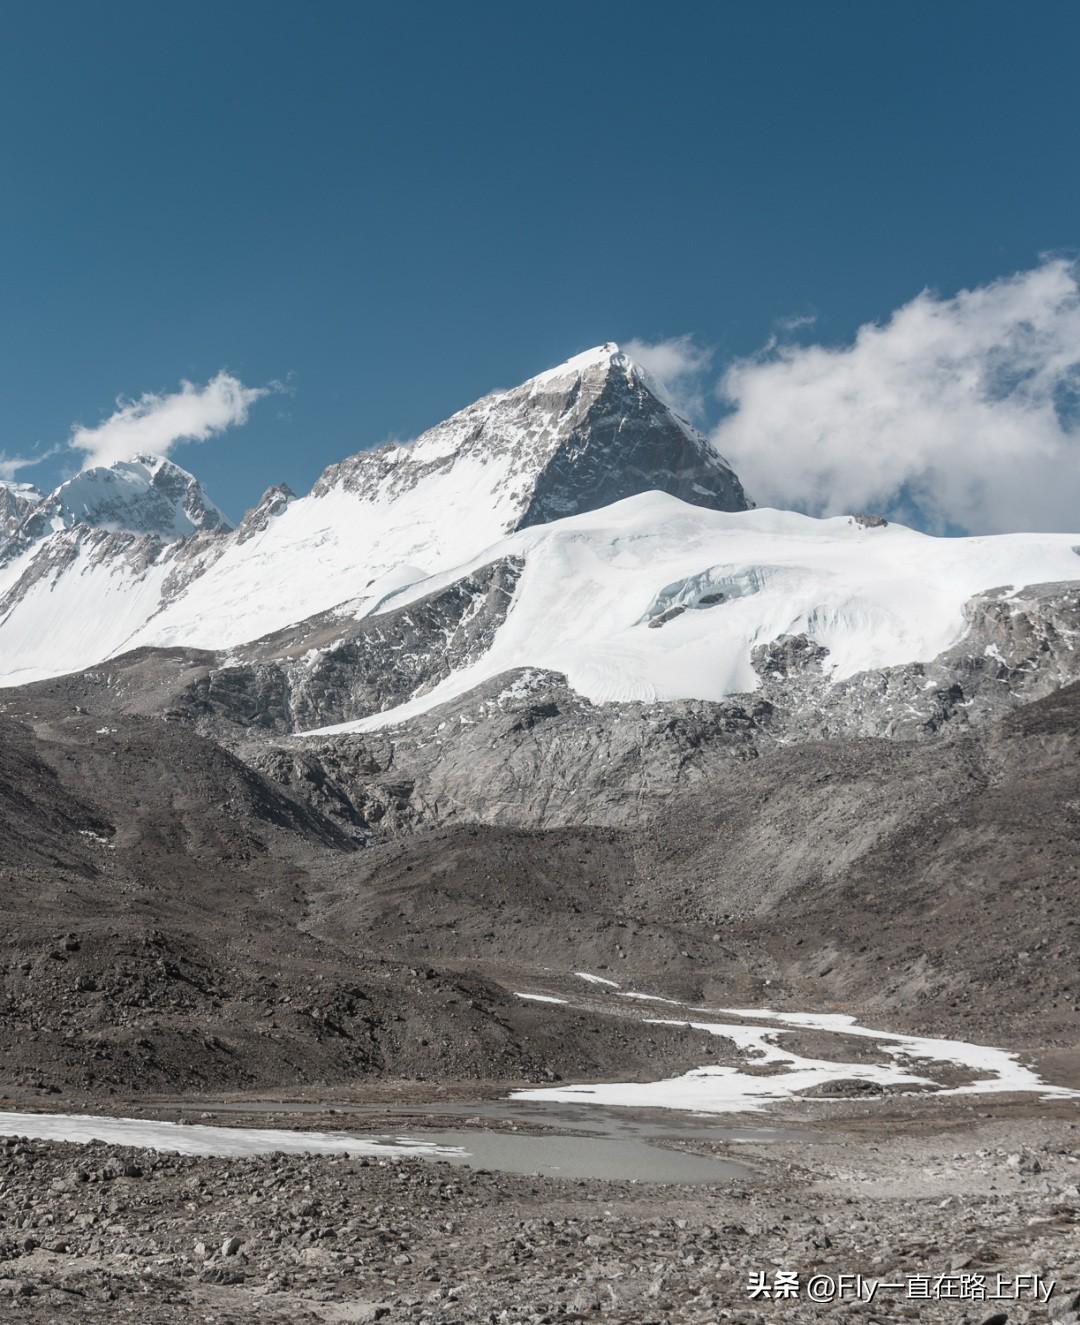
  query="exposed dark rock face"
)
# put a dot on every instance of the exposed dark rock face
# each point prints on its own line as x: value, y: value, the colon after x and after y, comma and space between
x: 271, y: 504
x: 571, y: 442
x: 619, y: 440
x: 786, y: 657
x: 16, y: 502
x: 325, y: 671
x: 1014, y: 649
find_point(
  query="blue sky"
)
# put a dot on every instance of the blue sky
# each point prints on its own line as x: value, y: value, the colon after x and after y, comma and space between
x: 393, y: 208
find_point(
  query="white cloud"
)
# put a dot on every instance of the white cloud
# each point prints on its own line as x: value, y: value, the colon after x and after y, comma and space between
x: 11, y: 464
x: 676, y: 368
x: 796, y: 321
x: 156, y: 423
x: 957, y: 413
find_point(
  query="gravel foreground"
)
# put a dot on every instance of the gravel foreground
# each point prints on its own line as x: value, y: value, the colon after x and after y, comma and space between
x: 103, y: 1233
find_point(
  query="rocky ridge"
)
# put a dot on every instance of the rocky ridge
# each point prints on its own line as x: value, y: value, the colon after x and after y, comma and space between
x: 16, y: 501
x: 575, y: 438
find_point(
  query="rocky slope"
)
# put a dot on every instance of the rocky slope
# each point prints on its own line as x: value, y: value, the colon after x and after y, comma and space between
x: 524, y: 749
x: 162, y: 904
x: 177, y: 914
x: 16, y: 501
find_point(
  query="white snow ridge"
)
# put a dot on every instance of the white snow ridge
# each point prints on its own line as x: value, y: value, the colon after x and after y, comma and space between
x: 597, y: 595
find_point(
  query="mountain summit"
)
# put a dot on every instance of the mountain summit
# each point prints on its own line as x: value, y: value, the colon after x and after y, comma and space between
x: 144, y: 495
x: 83, y: 566
x: 574, y: 438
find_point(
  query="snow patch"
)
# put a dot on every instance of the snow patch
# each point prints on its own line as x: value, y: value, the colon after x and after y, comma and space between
x: 730, y: 1089
x: 197, y: 1139
x: 95, y: 837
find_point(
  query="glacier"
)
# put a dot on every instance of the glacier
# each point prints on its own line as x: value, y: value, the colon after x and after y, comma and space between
x: 873, y: 595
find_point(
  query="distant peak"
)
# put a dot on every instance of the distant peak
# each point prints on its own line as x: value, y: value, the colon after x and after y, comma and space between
x: 145, y: 464
x: 18, y: 487
x: 143, y: 494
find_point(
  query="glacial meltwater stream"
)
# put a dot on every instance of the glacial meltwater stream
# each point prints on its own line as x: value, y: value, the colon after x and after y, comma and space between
x: 625, y: 1131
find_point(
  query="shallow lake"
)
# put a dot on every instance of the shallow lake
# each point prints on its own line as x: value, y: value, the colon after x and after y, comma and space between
x: 615, y: 1146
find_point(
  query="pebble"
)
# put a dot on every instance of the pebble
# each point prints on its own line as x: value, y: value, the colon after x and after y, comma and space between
x: 423, y: 1244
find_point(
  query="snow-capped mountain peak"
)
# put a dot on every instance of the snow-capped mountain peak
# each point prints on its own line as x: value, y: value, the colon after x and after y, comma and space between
x: 85, y: 566
x: 144, y: 495
x: 570, y: 440
x: 601, y: 359
x: 573, y: 438
x: 16, y: 502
